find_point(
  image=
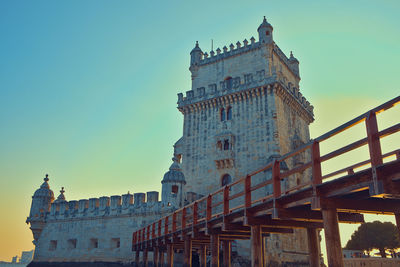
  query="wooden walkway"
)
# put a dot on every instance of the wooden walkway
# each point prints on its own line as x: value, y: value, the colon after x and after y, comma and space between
x: 244, y: 209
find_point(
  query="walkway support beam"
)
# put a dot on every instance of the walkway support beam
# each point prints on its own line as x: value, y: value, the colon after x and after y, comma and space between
x: 187, y: 253
x: 214, y: 250
x: 313, y: 248
x: 332, y: 237
x: 256, y: 246
x: 170, y: 255
x: 226, y: 247
x: 203, y: 256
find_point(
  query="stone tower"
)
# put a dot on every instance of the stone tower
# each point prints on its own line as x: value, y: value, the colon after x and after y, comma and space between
x: 244, y: 109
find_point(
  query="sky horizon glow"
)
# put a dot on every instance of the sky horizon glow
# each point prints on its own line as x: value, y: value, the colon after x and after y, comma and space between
x: 88, y: 89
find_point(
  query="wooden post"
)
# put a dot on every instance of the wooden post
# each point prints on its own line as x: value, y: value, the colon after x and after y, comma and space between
x: 256, y: 247
x: 397, y: 216
x: 226, y: 200
x: 313, y: 247
x: 203, y: 256
x: 276, y: 179
x: 316, y: 164
x: 226, y: 248
x: 161, y: 258
x: 247, y: 191
x: 137, y: 257
x: 145, y: 256
x: 214, y: 250
x: 374, y: 146
x: 187, y: 253
x: 155, y: 257
x: 170, y: 255
x: 332, y: 237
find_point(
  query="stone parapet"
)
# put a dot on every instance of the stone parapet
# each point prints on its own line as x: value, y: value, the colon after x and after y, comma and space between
x: 127, y: 204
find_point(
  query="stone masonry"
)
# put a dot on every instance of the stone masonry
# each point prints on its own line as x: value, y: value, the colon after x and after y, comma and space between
x: 244, y: 109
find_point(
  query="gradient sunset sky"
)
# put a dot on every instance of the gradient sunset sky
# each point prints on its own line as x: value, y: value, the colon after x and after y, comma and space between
x: 88, y: 88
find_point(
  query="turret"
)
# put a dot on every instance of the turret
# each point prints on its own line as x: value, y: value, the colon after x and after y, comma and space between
x: 294, y: 64
x: 41, y: 201
x: 265, y: 32
x: 172, y: 185
x: 195, y: 55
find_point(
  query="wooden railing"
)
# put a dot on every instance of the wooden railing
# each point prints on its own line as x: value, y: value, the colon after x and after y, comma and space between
x: 240, y: 193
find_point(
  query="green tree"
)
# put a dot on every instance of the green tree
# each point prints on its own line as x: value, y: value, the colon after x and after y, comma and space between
x: 375, y: 235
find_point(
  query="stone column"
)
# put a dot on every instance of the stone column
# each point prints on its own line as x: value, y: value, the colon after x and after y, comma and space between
x: 332, y: 237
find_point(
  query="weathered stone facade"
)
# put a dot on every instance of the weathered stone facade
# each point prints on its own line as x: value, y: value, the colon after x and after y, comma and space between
x: 244, y: 109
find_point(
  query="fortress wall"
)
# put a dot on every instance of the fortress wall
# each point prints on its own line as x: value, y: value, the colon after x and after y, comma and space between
x: 106, y: 231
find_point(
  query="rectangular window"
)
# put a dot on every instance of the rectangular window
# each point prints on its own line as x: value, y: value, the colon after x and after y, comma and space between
x: 115, y: 243
x: 53, y: 245
x: 94, y: 243
x: 71, y: 244
x: 248, y: 78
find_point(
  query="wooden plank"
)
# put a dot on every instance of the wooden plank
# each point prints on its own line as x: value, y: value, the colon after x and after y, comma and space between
x: 214, y: 250
x: 332, y: 238
x: 256, y: 246
x: 313, y: 247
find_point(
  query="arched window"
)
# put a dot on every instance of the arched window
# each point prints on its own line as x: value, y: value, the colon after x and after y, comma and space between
x: 219, y: 145
x: 174, y: 189
x: 229, y: 113
x: 226, y: 144
x: 228, y: 82
x: 222, y: 114
x: 226, y: 179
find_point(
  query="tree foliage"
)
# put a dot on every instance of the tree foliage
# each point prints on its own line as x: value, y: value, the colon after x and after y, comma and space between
x: 375, y: 235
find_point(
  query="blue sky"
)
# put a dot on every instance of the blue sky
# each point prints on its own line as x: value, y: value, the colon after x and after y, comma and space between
x: 88, y: 88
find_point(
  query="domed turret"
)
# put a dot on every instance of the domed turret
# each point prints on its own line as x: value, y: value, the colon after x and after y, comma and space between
x: 172, y: 185
x: 195, y: 55
x: 265, y: 32
x: 41, y: 200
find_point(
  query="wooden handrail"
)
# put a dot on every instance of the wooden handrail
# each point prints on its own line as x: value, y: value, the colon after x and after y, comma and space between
x: 207, y: 213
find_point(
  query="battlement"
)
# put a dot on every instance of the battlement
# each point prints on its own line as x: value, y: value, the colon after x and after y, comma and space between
x: 127, y: 204
x: 200, y: 95
x: 219, y: 54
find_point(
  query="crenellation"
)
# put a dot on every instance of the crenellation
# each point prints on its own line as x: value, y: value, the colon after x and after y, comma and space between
x: 139, y: 198
x: 83, y: 205
x: 127, y: 200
